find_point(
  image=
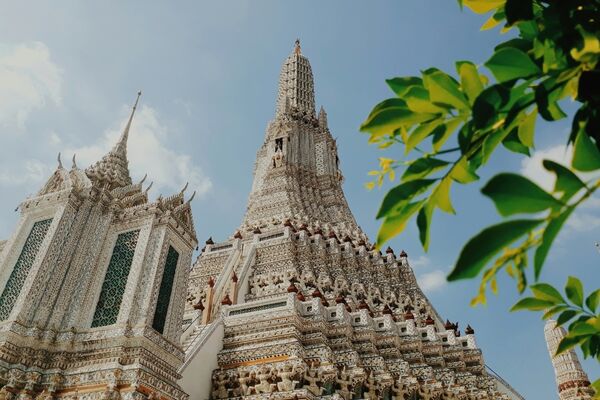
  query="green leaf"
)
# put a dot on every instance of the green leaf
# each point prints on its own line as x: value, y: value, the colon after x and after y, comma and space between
x: 566, y: 343
x: 462, y: 172
x: 574, y: 291
x: 395, y: 224
x: 417, y: 99
x: 401, y: 84
x: 592, y: 300
x: 567, y: 182
x: 423, y: 167
x: 443, y: 89
x: 548, y: 237
x: 547, y: 102
x: 526, y: 129
x: 480, y: 249
x: 565, y: 316
x: 488, y: 104
x: 532, y: 304
x: 547, y: 292
x: 586, y: 156
x: 509, y: 63
x: 424, y: 223
x: 469, y: 79
x: 580, y: 328
x: 554, y: 310
x: 513, y: 143
x: 518, y: 10
x: 394, y: 102
x: 387, y: 120
x: 397, y: 197
x: 513, y: 194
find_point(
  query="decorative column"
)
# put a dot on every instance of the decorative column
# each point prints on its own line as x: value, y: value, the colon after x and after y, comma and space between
x: 210, y: 294
x: 234, y: 288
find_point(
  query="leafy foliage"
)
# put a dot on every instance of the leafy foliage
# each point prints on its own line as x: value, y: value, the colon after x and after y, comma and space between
x: 555, y: 56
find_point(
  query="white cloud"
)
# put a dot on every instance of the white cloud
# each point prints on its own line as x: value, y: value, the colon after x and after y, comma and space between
x: 583, y: 222
x: 147, y: 152
x: 428, y: 281
x: 420, y: 262
x: 532, y: 166
x: 580, y: 220
x: 30, y: 172
x: 28, y: 80
x: 432, y: 281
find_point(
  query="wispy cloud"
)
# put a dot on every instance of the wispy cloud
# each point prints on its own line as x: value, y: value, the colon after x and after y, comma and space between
x: 432, y: 281
x: 429, y: 281
x: 28, y: 173
x: 28, y: 80
x: 148, y: 152
x: 533, y: 168
x: 586, y: 218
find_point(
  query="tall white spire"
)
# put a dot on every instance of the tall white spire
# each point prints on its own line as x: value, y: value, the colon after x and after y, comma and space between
x: 296, y: 84
x: 572, y: 381
x: 113, y: 168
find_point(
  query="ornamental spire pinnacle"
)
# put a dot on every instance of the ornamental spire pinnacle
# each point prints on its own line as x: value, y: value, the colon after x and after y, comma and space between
x: 121, y: 145
x: 113, y: 169
x: 297, y: 49
x: 296, y: 84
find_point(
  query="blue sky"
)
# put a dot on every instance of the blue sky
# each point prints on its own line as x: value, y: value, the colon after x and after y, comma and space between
x: 69, y: 72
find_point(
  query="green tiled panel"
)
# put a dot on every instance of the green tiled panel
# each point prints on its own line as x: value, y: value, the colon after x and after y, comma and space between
x: 164, y: 293
x: 115, y: 280
x: 21, y: 270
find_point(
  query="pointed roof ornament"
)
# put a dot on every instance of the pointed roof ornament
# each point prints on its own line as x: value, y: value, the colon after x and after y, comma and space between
x: 323, y: 118
x: 297, y: 49
x: 59, y: 161
x: 121, y: 145
x: 149, y: 187
x: 143, y: 179
x: 192, y: 197
x: 184, y: 188
x: 113, y: 169
x: 74, y: 166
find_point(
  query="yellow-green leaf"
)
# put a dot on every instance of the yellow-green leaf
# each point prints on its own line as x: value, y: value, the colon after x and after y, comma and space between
x: 441, y: 196
x: 443, y: 89
x: 440, y: 136
x: 469, y: 79
x: 420, y: 133
x: 483, y: 6
x: 526, y: 129
x: 395, y: 224
x: 417, y: 99
x: 462, y: 172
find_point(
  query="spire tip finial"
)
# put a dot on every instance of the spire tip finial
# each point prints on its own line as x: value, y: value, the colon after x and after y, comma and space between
x: 297, y: 48
x: 59, y: 161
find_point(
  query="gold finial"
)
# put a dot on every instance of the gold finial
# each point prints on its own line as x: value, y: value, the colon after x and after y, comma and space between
x: 297, y: 47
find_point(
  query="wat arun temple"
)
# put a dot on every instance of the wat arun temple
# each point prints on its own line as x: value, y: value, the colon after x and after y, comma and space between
x: 101, y: 297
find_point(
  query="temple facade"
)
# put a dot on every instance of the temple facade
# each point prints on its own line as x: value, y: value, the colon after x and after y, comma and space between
x: 298, y: 304
x: 571, y: 380
x: 93, y: 285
